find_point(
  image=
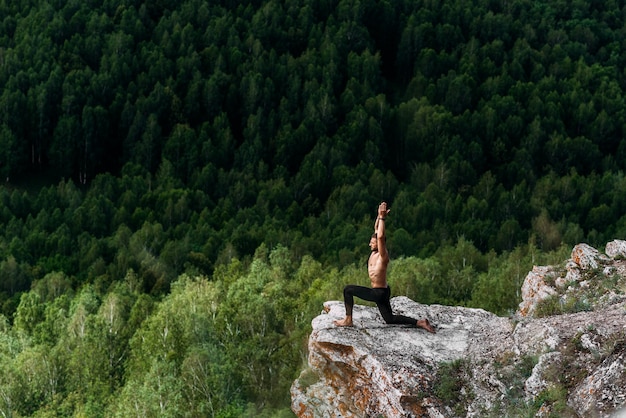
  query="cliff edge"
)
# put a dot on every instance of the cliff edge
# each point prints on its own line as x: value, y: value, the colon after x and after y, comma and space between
x: 562, y: 354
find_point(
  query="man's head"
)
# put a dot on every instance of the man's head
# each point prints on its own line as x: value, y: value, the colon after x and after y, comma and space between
x: 374, y: 242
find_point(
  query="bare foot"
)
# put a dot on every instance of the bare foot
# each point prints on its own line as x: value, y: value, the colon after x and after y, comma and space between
x: 423, y: 323
x: 346, y: 322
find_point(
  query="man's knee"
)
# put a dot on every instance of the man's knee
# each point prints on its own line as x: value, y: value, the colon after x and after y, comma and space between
x: 387, y: 317
x: 348, y: 290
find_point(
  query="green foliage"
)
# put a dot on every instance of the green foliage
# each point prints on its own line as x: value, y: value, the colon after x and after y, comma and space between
x: 556, y: 397
x: 513, y: 373
x: 498, y: 289
x: 453, y: 385
x: 415, y: 278
x: 381, y: 84
x: 555, y: 305
x: 245, y: 145
x: 465, y: 138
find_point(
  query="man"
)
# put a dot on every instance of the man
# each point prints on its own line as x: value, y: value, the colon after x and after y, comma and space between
x: 380, y: 292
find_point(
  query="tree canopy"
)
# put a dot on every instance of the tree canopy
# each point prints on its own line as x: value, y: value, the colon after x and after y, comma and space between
x: 215, y: 167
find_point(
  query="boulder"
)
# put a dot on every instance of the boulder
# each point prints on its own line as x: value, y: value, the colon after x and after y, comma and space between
x: 581, y: 279
x: 588, y: 257
x: 375, y: 369
x: 616, y: 249
x: 537, y: 286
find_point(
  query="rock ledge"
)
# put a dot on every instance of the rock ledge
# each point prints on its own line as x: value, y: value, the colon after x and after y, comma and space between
x: 477, y: 364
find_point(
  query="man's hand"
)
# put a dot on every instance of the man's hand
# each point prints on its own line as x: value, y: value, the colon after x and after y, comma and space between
x: 382, y: 210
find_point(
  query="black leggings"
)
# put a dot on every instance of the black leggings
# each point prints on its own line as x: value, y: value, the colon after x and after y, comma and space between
x: 379, y: 295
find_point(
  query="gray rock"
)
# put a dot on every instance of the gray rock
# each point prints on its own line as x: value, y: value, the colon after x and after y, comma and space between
x: 378, y: 369
x: 477, y: 364
x: 616, y: 249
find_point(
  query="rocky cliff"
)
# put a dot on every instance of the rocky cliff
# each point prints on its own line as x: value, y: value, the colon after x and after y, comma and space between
x: 563, y: 354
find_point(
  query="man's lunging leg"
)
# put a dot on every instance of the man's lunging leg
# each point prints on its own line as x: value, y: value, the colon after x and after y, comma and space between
x: 349, y: 292
x: 384, y: 306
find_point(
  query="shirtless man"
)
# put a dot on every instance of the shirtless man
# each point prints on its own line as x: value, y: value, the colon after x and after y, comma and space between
x: 380, y: 291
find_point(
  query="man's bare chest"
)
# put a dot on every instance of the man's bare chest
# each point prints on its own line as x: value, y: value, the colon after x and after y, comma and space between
x: 374, y: 263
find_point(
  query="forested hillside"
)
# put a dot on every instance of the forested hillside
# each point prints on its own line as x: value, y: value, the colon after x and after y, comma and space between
x: 185, y: 182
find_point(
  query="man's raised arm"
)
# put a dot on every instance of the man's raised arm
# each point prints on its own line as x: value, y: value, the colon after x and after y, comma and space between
x: 380, y: 230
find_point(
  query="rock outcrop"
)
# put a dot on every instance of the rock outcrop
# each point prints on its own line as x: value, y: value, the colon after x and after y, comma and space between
x: 568, y: 363
x: 589, y: 279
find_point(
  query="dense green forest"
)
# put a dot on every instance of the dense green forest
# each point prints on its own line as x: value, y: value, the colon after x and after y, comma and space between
x: 184, y: 183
